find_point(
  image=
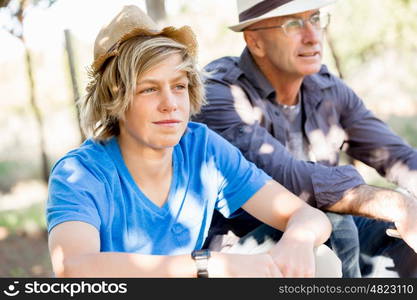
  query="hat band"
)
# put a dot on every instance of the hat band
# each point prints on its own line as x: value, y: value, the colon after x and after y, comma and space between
x: 260, y: 9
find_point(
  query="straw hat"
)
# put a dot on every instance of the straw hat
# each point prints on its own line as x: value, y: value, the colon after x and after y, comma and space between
x: 131, y: 21
x: 252, y: 11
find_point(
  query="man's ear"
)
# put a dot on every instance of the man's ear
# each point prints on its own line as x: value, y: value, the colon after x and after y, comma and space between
x: 254, y: 43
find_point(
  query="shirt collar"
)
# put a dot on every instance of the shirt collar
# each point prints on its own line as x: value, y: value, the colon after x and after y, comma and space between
x: 255, y: 76
x: 314, y: 85
x: 322, y: 80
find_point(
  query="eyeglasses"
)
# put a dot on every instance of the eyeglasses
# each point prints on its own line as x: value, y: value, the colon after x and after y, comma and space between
x: 294, y: 26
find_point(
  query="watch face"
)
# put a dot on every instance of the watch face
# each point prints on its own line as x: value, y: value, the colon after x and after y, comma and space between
x: 204, y: 253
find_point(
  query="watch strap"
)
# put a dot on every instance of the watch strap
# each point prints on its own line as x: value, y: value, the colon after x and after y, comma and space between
x: 201, y: 258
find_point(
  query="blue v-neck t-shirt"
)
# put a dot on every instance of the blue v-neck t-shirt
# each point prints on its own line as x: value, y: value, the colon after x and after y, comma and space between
x: 92, y: 184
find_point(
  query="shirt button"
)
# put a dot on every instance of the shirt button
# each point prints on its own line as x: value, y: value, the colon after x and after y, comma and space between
x: 177, y: 228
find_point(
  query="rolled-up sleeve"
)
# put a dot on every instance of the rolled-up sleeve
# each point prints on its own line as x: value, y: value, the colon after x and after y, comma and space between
x: 371, y: 141
x: 316, y: 184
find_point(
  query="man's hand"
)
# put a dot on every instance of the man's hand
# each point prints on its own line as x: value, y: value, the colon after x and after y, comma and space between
x: 407, y: 224
x: 383, y: 204
x: 294, y: 255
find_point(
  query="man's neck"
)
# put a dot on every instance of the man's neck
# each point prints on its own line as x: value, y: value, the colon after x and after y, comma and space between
x: 286, y: 86
x: 286, y: 93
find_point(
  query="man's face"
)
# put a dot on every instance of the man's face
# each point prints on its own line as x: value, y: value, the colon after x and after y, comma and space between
x: 296, y: 54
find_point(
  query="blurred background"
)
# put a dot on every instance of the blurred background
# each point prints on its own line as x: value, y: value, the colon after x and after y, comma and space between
x: 46, y: 48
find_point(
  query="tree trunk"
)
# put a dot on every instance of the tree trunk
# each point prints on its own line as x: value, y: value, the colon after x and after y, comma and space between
x: 156, y: 9
x: 335, y: 56
x: 38, y: 115
x: 75, y: 89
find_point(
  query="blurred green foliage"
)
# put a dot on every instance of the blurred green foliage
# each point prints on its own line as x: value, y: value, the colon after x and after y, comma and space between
x: 364, y: 30
x: 13, y: 171
x: 406, y: 127
x: 30, y: 219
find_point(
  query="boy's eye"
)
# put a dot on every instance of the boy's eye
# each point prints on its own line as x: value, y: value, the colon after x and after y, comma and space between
x: 180, y: 86
x: 147, y: 90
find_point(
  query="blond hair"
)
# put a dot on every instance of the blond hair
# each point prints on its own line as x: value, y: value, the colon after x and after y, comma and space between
x: 111, y: 89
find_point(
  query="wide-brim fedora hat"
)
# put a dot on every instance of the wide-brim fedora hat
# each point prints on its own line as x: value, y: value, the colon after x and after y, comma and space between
x: 252, y: 11
x: 131, y: 21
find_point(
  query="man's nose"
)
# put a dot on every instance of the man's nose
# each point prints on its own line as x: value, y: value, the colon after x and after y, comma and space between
x: 311, y: 34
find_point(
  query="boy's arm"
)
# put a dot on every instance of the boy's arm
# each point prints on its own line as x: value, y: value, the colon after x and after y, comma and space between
x: 304, y: 228
x: 75, y: 252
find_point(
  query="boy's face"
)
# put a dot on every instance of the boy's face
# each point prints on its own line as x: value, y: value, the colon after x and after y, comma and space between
x: 160, y: 108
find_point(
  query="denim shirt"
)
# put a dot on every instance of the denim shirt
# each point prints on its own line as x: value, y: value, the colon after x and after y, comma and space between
x: 241, y: 108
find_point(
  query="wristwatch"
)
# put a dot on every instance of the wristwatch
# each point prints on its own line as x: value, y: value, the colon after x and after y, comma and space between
x: 201, y: 258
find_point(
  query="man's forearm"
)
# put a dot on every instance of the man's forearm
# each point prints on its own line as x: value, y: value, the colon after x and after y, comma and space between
x: 374, y: 202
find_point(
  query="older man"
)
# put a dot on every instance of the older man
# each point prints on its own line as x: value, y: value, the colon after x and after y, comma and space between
x: 284, y: 109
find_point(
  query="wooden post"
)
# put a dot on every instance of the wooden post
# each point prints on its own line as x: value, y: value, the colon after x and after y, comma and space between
x: 156, y: 9
x: 74, y: 84
x: 336, y: 58
x: 37, y: 112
